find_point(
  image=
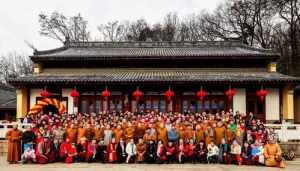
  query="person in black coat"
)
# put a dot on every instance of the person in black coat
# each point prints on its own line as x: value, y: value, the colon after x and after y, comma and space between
x: 28, y: 137
x: 101, y: 152
x: 201, y: 152
x: 121, y: 151
x: 151, y: 152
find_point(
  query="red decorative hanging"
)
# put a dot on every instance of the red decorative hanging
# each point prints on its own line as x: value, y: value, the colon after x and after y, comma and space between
x: 230, y: 93
x: 169, y: 94
x: 45, y: 94
x: 261, y: 94
x: 106, y: 93
x: 201, y: 94
x: 75, y: 93
x: 137, y: 94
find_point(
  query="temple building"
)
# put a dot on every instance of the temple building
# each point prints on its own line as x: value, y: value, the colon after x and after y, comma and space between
x: 230, y: 73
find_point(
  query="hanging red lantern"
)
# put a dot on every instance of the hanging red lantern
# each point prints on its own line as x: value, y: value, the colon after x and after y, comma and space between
x: 261, y: 94
x: 75, y: 93
x: 201, y: 94
x: 230, y: 93
x: 105, y: 93
x: 45, y: 94
x: 169, y: 94
x: 137, y: 94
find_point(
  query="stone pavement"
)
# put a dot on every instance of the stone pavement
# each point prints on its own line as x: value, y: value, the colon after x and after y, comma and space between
x: 291, y: 166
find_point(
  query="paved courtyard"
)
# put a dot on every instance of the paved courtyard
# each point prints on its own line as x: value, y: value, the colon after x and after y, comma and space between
x: 291, y: 166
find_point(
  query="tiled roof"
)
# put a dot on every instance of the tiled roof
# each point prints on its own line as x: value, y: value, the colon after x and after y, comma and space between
x: 7, y: 97
x: 153, y: 50
x: 156, y: 75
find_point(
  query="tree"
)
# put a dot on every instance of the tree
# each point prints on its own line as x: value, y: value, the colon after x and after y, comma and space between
x: 113, y: 31
x: 61, y: 28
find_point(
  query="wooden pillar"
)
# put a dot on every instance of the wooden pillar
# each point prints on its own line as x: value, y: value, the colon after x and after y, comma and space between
x: 22, y: 102
x: 288, y: 103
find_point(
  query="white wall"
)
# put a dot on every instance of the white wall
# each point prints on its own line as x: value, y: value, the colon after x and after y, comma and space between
x: 273, y: 104
x: 34, y: 93
x: 67, y: 93
x: 239, y: 100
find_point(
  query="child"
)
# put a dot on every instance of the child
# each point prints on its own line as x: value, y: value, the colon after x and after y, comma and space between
x: 236, y: 151
x: 29, y: 154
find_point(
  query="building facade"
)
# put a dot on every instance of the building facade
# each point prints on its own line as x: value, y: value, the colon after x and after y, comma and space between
x: 153, y: 68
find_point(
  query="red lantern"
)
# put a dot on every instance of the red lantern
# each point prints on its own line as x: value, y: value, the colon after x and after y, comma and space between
x: 230, y: 93
x: 45, y: 93
x: 169, y: 94
x: 75, y: 93
x: 261, y: 94
x: 106, y: 93
x: 201, y: 94
x: 137, y: 94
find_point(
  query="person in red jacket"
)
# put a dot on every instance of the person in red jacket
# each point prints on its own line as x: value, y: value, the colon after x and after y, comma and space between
x: 161, y: 152
x: 112, y: 151
x: 63, y: 149
x: 91, y: 151
x: 189, y: 151
x: 72, y: 154
x: 170, y: 152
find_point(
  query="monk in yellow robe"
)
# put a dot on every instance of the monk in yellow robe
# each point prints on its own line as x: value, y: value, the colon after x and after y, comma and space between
x: 190, y: 133
x: 118, y: 133
x: 14, y: 144
x: 71, y: 133
x: 220, y: 132
x: 182, y: 133
x: 273, y: 154
x: 81, y: 131
x: 99, y: 133
x: 162, y: 134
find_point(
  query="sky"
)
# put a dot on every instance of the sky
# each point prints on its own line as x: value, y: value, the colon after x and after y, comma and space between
x: 19, y: 18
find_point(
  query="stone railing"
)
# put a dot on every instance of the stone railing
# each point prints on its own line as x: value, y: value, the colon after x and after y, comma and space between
x: 286, y: 132
x: 4, y: 127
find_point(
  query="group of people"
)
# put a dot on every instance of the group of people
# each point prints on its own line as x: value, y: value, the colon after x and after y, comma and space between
x: 148, y: 137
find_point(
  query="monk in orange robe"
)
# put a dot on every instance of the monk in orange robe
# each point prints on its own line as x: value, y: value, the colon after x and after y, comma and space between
x: 71, y: 133
x: 209, y: 135
x: 129, y: 132
x: 81, y: 131
x: 14, y: 144
x: 182, y: 133
x: 162, y: 134
x: 190, y: 133
x: 199, y: 134
x: 273, y: 154
x: 118, y: 133
x: 220, y: 132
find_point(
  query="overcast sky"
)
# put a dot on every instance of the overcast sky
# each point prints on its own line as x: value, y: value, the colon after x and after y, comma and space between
x: 19, y: 18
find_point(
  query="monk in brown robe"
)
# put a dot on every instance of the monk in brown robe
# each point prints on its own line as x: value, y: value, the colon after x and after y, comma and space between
x: 141, y: 150
x: 71, y: 133
x: 162, y: 134
x: 99, y: 133
x: 129, y: 132
x: 220, y: 132
x: 118, y: 133
x: 139, y: 131
x: 89, y: 132
x: 182, y: 133
x: 14, y: 144
x: 273, y: 154
x: 190, y: 133
x: 81, y: 131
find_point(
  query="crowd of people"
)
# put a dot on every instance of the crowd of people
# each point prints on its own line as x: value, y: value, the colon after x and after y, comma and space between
x: 148, y: 137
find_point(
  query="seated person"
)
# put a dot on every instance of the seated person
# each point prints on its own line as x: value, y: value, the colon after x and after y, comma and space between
x: 170, y: 152
x: 72, y: 154
x: 112, y: 151
x: 201, y: 152
x: 131, y: 151
x: 101, y: 152
x: 190, y: 151
x: 246, y: 154
x: 235, y: 151
x: 151, y: 152
x: 257, y: 153
x: 224, y: 150
x: 273, y: 154
x: 29, y: 154
x: 82, y: 149
x: 91, y: 151
x: 121, y: 152
x: 160, y: 152
x: 180, y: 151
x: 44, y: 153
x: 63, y: 149
x: 212, y: 153
x: 141, y: 150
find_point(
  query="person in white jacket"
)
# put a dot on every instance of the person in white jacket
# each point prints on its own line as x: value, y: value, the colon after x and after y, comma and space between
x: 213, y: 152
x: 131, y: 151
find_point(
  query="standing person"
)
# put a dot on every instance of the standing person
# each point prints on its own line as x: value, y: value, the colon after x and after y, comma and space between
x: 131, y: 151
x: 141, y: 150
x: 14, y: 144
x: 121, y: 151
x: 162, y: 133
x: 119, y: 133
x: 71, y: 133
x: 108, y: 134
x: 151, y: 152
x: 173, y: 134
x: 112, y: 151
x: 220, y: 132
x: 213, y: 153
x: 129, y: 132
x: 236, y: 151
